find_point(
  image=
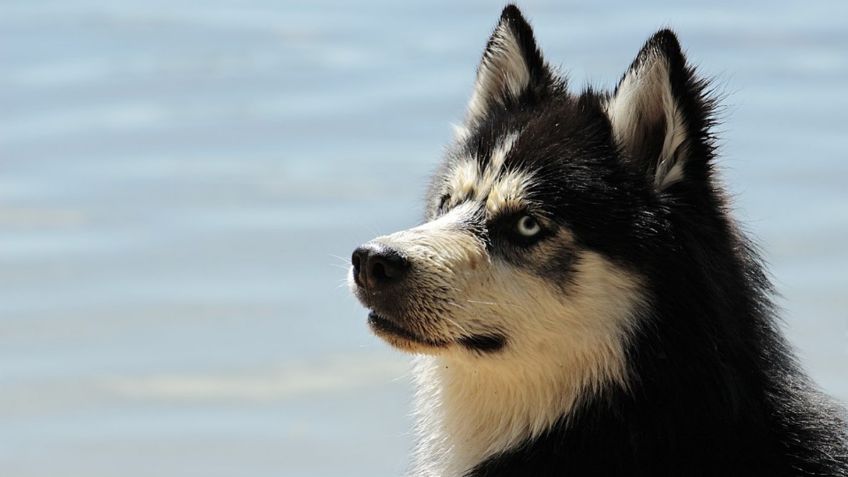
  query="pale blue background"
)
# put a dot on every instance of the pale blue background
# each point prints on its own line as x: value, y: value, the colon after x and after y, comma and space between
x: 181, y: 183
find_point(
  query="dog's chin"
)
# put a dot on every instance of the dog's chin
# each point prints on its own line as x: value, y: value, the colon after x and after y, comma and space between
x: 403, y: 338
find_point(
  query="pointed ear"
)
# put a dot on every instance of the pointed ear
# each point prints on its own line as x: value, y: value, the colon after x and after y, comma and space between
x: 660, y: 114
x: 512, y: 70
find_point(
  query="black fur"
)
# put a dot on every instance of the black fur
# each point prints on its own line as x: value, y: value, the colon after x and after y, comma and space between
x: 714, y: 389
x: 484, y: 343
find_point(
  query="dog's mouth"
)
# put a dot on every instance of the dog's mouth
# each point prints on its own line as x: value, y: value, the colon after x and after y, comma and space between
x: 400, y: 336
x: 408, y: 340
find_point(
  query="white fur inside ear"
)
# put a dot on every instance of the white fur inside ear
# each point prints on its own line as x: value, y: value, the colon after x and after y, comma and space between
x: 503, y: 73
x: 643, y: 101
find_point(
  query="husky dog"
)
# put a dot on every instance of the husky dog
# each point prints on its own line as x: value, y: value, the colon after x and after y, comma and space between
x: 579, y: 301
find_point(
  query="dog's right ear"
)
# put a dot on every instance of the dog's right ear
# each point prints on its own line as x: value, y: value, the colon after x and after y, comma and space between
x: 512, y: 71
x: 661, y: 113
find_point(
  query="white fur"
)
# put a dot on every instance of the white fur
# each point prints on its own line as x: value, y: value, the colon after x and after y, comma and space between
x: 463, y: 180
x: 502, y: 72
x: 644, y: 98
x: 460, y: 132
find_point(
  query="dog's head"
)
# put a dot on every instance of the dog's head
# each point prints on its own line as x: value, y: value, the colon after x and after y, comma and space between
x: 542, y: 221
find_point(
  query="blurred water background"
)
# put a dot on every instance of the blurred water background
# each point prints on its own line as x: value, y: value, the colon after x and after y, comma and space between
x: 182, y: 182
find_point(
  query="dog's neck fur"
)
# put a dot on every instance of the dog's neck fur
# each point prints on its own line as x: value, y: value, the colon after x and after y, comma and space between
x: 468, y: 411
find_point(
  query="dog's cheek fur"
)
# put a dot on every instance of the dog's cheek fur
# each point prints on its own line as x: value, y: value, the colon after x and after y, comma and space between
x: 561, y: 348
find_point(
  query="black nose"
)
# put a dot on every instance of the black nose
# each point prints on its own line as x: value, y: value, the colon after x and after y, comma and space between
x: 376, y: 265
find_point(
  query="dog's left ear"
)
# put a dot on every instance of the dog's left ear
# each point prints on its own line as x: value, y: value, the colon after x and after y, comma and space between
x: 512, y: 71
x: 660, y: 114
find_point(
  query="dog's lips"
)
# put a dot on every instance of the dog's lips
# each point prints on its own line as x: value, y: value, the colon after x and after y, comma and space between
x: 404, y: 338
x: 386, y: 328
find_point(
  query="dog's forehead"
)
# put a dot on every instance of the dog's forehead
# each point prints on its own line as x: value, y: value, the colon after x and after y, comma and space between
x: 507, y: 159
x: 484, y: 175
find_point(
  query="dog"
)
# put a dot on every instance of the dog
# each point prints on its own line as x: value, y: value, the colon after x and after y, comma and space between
x: 578, y: 299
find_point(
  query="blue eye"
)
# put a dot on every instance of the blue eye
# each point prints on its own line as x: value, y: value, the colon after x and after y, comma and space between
x: 528, y: 226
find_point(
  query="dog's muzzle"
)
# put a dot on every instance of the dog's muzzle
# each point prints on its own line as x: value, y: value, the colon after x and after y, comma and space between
x: 384, y: 282
x: 381, y: 277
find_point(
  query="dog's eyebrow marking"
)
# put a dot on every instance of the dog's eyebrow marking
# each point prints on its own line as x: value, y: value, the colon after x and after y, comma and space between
x: 468, y: 181
x: 509, y: 191
x: 463, y: 181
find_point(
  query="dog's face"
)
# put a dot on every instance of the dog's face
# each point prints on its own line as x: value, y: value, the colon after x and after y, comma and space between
x: 540, y: 221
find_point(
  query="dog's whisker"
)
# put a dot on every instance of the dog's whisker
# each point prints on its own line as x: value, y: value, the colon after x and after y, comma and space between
x: 343, y: 259
x: 453, y: 322
x: 495, y: 303
x: 458, y: 305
